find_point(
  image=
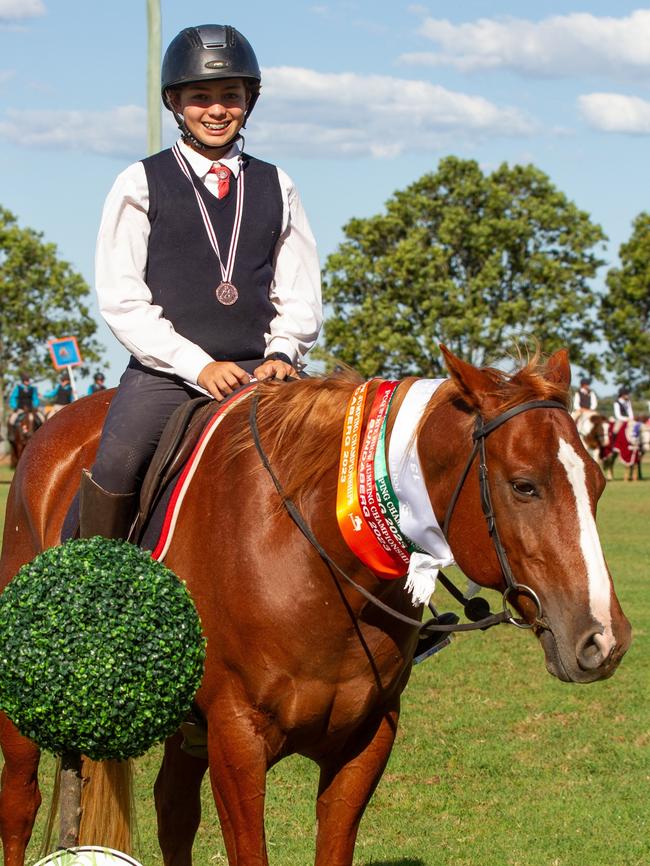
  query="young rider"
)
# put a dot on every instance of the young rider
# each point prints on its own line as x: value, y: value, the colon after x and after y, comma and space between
x: 623, y: 410
x: 23, y: 398
x: 98, y: 383
x: 206, y: 268
x: 61, y: 395
x: 585, y: 400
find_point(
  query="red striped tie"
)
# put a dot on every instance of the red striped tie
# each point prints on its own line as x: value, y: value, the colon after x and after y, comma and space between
x: 223, y: 176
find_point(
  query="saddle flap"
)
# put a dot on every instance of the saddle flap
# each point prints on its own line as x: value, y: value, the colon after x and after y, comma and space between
x: 178, y: 439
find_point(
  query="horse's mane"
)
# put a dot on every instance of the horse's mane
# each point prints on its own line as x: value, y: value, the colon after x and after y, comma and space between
x: 301, y: 424
x: 300, y: 427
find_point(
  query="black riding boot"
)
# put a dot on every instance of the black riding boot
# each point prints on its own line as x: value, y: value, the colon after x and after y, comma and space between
x: 102, y: 513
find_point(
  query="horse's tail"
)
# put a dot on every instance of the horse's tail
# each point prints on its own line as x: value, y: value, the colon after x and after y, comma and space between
x: 107, y: 804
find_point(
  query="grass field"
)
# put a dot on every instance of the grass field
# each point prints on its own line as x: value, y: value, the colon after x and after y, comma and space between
x: 496, y: 762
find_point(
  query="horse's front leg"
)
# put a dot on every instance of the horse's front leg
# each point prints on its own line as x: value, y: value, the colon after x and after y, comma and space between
x: 19, y: 794
x: 237, y: 750
x: 177, y: 794
x: 347, y: 782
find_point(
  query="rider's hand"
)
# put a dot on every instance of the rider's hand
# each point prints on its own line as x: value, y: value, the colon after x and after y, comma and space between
x: 221, y: 378
x: 274, y: 369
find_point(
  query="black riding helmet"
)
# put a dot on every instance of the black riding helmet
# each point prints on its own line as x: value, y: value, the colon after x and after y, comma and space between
x: 206, y: 52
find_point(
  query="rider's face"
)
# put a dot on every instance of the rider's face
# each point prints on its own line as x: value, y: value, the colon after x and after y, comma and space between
x: 214, y: 111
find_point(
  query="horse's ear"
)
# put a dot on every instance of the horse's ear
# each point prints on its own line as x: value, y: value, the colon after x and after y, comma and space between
x: 473, y: 383
x: 558, y: 369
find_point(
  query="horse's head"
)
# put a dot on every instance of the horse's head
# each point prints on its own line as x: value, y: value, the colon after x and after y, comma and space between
x: 594, y: 430
x: 543, y: 488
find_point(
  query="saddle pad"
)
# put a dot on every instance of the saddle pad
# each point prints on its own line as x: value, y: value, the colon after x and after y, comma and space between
x: 176, y: 444
x: 171, y: 503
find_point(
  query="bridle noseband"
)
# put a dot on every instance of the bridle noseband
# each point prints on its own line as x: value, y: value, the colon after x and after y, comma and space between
x: 481, y: 431
x: 476, y: 609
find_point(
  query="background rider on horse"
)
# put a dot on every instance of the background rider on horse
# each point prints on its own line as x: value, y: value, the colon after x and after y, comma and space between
x: 23, y: 398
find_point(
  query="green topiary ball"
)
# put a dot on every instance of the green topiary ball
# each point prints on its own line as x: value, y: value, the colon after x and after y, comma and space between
x: 101, y: 650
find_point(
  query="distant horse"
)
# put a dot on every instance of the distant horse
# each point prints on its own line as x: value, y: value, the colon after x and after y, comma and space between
x: 625, y: 444
x: 594, y: 434
x: 298, y: 659
x: 23, y: 429
x: 645, y: 434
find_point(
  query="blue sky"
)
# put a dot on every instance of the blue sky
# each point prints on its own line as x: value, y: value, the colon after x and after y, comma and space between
x: 360, y: 98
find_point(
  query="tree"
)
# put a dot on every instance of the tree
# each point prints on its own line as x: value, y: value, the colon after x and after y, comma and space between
x: 42, y: 298
x: 471, y: 260
x: 625, y: 310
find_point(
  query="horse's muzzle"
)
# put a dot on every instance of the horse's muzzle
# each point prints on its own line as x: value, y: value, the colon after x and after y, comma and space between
x: 592, y: 658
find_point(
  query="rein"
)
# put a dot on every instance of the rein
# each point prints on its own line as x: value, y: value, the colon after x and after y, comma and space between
x: 474, y: 608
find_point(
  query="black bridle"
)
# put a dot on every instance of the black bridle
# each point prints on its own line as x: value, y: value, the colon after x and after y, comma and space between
x: 481, y: 431
x: 476, y: 609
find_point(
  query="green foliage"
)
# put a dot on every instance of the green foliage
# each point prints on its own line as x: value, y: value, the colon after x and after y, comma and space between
x: 101, y: 649
x: 472, y: 260
x: 626, y: 310
x: 42, y: 298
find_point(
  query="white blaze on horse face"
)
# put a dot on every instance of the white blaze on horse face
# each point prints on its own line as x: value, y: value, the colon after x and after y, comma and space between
x: 592, y: 552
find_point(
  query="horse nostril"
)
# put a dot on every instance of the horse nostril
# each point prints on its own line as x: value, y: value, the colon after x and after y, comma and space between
x: 592, y: 651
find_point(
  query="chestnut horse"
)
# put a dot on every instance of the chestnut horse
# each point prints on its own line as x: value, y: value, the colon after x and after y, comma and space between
x: 298, y: 661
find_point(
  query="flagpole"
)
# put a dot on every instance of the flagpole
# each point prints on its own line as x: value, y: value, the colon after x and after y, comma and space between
x: 154, y: 135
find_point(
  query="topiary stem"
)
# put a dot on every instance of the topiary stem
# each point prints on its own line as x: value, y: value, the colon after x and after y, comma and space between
x: 70, y: 816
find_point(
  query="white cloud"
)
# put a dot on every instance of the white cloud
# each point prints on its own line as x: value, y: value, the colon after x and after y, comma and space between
x: 615, y: 112
x: 303, y: 113
x: 307, y: 112
x: 559, y: 46
x: 119, y: 132
x: 16, y: 10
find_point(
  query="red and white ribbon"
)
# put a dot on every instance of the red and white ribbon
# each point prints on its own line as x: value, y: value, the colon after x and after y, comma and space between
x: 226, y: 273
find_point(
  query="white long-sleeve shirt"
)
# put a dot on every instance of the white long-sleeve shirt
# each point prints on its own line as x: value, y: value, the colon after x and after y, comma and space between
x: 126, y: 302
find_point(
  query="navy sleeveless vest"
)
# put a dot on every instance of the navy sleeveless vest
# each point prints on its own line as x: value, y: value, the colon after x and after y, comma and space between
x: 63, y: 395
x: 585, y: 400
x: 182, y: 268
x: 26, y: 398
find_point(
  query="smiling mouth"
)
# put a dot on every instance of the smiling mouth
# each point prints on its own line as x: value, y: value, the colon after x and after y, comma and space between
x: 216, y: 127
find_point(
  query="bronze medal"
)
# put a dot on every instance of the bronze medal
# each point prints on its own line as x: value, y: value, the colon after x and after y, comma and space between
x: 227, y: 294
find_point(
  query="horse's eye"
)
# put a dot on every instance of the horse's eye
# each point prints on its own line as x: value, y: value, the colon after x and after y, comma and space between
x: 523, y: 487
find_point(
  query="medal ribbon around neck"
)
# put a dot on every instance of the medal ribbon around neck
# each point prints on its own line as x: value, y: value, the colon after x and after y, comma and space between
x: 373, y: 538
x: 227, y: 293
